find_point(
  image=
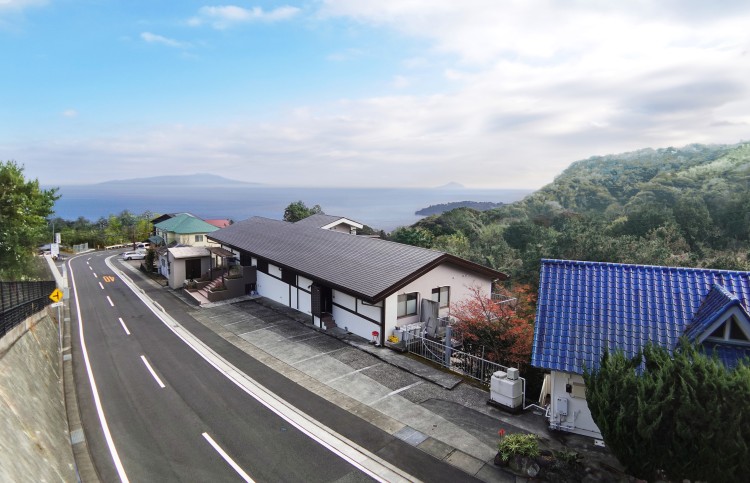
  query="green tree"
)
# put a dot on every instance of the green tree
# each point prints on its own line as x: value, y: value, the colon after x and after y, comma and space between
x: 674, y: 417
x: 24, y: 208
x: 419, y: 237
x: 298, y: 210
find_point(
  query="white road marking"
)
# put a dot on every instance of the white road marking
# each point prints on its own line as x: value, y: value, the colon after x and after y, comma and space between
x: 95, y: 275
x: 318, y: 355
x: 394, y: 392
x: 256, y: 330
x: 305, y: 337
x: 229, y: 460
x: 123, y: 325
x: 91, y: 268
x: 102, y: 286
x: 350, y: 373
x: 369, y: 463
x: 110, y: 301
x: 148, y: 366
x: 97, y: 401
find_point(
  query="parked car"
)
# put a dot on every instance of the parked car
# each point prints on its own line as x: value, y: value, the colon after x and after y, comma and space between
x: 133, y: 256
x: 144, y: 246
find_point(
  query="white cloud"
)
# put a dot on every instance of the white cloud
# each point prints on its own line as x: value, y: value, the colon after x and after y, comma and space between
x: 158, y: 39
x: 20, y: 4
x: 400, y: 82
x: 70, y: 113
x: 345, y: 55
x: 225, y: 16
x: 522, y: 89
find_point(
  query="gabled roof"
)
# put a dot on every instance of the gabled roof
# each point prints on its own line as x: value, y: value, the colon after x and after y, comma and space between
x: 188, y: 252
x: 184, y: 224
x: 369, y: 267
x: 321, y: 220
x: 716, y: 303
x: 219, y: 223
x: 167, y: 216
x: 584, y: 308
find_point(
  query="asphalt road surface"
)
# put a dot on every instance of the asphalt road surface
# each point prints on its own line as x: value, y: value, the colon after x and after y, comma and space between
x: 169, y: 412
x: 154, y: 409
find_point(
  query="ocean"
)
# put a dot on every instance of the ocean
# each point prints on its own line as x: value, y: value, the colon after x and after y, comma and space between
x: 380, y: 208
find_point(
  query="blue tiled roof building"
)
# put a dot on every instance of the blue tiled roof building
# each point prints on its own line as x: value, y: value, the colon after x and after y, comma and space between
x: 586, y: 307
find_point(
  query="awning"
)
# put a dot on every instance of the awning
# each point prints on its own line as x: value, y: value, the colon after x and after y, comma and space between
x: 156, y: 240
x: 224, y: 253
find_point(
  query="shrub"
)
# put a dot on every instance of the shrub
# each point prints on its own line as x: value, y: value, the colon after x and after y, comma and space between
x: 518, y: 444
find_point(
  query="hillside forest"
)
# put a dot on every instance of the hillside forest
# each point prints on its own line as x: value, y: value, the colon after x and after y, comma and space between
x: 685, y: 207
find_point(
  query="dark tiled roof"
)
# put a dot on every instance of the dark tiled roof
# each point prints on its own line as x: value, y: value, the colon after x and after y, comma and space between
x: 586, y: 307
x: 369, y: 267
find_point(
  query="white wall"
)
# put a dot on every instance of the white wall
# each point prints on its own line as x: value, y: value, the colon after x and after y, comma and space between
x: 353, y: 322
x: 458, y: 279
x: 272, y: 288
x: 578, y: 419
x: 177, y: 272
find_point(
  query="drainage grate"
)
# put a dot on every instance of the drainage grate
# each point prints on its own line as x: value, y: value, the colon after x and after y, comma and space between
x: 77, y: 437
x: 410, y: 435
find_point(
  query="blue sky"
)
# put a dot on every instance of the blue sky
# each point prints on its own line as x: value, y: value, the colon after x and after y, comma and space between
x: 487, y: 93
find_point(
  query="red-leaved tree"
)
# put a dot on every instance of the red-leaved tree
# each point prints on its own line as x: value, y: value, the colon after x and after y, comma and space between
x: 504, y: 327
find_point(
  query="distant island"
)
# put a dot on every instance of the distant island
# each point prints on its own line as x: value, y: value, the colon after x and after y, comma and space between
x: 443, y: 207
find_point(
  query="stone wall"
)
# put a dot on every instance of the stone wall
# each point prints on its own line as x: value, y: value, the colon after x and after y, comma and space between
x: 34, y: 439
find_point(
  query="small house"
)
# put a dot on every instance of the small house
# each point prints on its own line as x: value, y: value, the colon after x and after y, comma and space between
x: 587, y: 308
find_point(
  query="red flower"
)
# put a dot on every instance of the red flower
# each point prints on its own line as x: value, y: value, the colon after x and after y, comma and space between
x: 501, y: 433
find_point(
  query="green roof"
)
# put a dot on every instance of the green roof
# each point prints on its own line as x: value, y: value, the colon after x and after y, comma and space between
x: 185, y: 224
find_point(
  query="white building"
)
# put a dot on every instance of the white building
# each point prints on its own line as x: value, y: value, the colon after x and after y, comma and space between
x: 360, y: 284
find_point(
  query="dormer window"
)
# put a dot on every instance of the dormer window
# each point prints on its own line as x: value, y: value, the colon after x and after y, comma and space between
x: 730, y: 331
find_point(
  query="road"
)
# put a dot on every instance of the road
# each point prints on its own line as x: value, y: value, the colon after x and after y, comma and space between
x: 169, y: 411
x: 169, y: 401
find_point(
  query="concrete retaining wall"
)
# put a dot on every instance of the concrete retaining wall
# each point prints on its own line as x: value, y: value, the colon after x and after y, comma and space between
x: 34, y: 440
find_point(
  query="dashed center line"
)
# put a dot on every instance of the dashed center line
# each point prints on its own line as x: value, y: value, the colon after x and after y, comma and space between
x: 148, y: 366
x: 110, y: 301
x: 228, y: 459
x: 123, y: 325
x: 102, y: 286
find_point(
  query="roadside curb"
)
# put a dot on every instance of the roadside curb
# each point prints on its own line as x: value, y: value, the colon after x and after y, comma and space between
x: 85, y: 468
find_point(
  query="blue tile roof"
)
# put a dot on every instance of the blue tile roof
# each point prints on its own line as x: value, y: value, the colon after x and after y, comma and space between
x: 715, y: 303
x: 584, y: 308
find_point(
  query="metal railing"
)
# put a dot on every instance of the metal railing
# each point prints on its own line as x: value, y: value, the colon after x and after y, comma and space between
x: 21, y: 300
x: 455, y: 360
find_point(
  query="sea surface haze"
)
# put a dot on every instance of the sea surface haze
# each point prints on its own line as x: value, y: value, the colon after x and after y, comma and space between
x: 380, y: 208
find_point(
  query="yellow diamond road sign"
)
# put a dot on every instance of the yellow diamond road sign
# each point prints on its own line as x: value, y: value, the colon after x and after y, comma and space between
x: 56, y: 295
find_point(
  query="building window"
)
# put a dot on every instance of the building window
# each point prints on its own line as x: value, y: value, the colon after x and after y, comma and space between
x: 407, y: 304
x: 730, y: 331
x: 198, y: 238
x: 441, y: 295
